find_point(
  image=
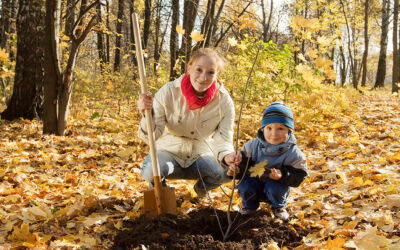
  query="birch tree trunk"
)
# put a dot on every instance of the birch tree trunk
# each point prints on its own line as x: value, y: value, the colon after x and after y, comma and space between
x: 381, y: 71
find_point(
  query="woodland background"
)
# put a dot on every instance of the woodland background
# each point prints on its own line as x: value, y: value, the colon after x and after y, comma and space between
x: 69, y: 152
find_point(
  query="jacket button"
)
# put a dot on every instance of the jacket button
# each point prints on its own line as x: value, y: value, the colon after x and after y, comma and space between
x: 192, y: 132
x: 188, y: 157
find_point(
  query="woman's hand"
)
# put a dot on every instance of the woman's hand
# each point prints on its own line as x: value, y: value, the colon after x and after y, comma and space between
x: 275, y: 174
x: 233, y: 170
x: 233, y: 160
x: 145, y: 102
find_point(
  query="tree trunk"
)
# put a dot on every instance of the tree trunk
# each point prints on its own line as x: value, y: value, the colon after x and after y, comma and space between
x: 52, y: 71
x: 65, y: 90
x: 395, y: 48
x: 58, y: 87
x: 350, y: 44
x: 343, y: 67
x: 132, y: 37
x: 206, y: 27
x: 5, y: 22
x: 189, y: 17
x: 365, y: 56
x: 108, y: 28
x: 120, y: 17
x: 27, y: 97
x: 70, y: 17
x: 100, y: 41
x: 147, y: 21
x: 267, y: 24
x: 381, y: 71
x: 173, y: 43
x: 157, y: 34
x: 214, y: 23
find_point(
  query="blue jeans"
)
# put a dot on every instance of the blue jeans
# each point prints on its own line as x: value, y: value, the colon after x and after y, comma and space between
x: 211, y: 172
x: 252, y: 191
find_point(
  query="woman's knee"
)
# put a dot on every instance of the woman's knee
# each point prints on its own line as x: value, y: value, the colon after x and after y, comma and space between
x: 147, y: 170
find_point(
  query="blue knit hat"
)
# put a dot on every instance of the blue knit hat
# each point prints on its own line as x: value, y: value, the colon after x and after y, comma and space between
x: 278, y: 112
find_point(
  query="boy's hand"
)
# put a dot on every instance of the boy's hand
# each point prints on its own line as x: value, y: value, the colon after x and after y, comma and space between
x: 275, y: 174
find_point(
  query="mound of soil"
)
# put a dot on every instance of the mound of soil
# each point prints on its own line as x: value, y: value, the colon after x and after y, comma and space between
x: 200, y: 230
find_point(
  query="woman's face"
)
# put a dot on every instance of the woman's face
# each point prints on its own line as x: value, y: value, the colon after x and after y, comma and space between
x: 276, y: 133
x: 203, y: 72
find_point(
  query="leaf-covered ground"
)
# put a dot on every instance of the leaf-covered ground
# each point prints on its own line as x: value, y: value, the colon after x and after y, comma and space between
x: 78, y: 190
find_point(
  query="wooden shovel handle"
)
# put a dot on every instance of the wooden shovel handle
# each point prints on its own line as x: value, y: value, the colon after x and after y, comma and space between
x: 149, y: 117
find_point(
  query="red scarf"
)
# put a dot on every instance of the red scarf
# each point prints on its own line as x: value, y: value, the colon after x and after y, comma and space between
x: 192, y: 100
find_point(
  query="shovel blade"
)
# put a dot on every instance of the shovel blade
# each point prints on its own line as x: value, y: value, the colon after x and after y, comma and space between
x: 168, y: 202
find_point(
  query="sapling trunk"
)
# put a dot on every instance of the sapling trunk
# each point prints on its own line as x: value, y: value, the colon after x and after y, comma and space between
x: 236, y: 147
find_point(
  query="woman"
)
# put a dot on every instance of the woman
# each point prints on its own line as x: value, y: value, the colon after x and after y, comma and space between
x: 194, y: 119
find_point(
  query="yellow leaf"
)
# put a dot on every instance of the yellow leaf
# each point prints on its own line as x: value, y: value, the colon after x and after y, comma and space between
x: 186, y: 204
x: 370, y: 240
x: 358, y: 181
x: 312, y: 53
x: 392, y: 189
x: 22, y: 233
x: 3, y: 55
x: 324, y: 41
x: 301, y: 57
x: 232, y: 41
x: 242, y: 46
x: 197, y: 36
x: 337, y: 243
x: 118, y: 225
x: 37, y: 212
x: 322, y: 62
x: 351, y: 155
x: 258, y: 169
x: 45, y: 166
x: 350, y: 224
x: 336, y: 125
x: 180, y: 30
x: 382, y: 160
x: 330, y: 73
x: 368, y: 183
x: 110, y: 86
x: 132, y: 215
x: 395, y: 157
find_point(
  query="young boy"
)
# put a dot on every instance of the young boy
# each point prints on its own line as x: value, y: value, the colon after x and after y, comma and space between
x: 285, y: 164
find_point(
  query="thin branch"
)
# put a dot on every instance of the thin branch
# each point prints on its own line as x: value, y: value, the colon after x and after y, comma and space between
x: 237, y: 140
x: 230, y: 26
x: 81, y: 15
x: 87, y: 29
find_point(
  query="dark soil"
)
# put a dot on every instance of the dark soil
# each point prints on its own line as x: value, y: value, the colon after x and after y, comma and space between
x: 200, y: 230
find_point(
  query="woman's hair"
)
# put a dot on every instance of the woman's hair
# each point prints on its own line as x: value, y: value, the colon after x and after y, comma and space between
x: 209, y: 52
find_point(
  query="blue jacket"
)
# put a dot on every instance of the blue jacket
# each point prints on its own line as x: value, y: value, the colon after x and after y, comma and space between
x: 286, y: 157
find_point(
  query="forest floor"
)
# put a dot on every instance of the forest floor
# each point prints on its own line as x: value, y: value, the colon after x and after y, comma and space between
x: 84, y: 190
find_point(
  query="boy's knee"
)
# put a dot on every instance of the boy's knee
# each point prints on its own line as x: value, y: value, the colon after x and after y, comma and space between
x: 247, y: 186
x: 275, y: 187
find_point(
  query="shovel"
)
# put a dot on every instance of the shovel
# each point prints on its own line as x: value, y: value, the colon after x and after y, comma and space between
x: 160, y: 199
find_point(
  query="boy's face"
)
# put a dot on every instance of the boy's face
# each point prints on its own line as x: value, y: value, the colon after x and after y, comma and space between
x: 276, y: 133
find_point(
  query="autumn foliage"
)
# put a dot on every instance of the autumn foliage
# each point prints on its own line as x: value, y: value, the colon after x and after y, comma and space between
x: 77, y: 190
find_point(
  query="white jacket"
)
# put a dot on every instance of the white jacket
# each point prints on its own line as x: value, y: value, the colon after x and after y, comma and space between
x: 187, y: 134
